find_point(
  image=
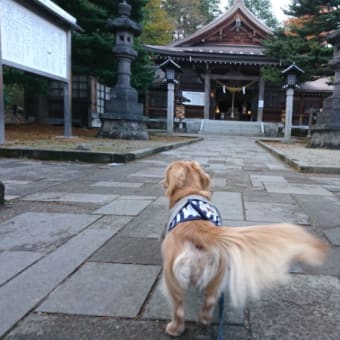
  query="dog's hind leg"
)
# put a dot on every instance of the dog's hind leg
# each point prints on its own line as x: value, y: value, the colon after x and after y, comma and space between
x: 176, y: 296
x: 211, y: 294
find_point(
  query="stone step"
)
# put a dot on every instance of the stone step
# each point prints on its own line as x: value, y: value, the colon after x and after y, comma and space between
x: 233, y: 128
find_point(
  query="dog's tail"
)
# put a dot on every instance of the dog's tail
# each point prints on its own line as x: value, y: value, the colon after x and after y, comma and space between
x: 259, y: 256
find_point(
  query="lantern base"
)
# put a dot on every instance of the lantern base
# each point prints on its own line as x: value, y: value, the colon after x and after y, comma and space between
x: 123, y: 129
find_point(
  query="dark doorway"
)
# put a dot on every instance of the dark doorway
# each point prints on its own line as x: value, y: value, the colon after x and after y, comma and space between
x: 234, y: 105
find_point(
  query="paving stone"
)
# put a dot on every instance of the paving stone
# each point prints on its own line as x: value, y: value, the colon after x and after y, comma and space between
x: 306, y: 308
x: 70, y: 197
x: 113, y: 223
x: 41, y: 232
x: 276, y: 165
x: 136, y: 197
x: 131, y: 250
x: 23, y: 292
x: 330, y: 267
x: 260, y: 180
x: 322, y: 179
x: 150, y: 223
x: 323, y: 211
x: 229, y: 204
x: 110, y: 184
x: 266, y: 197
x: 70, y: 327
x: 219, y: 182
x: 155, y: 161
x: 103, y: 289
x: 163, y: 201
x: 13, y: 262
x: 11, y: 197
x: 275, y: 212
x: 150, y: 172
x: 332, y: 188
x: 333, y: 235
x: 127, y: 206
x: 11, y: 182
x: 158, y: 307
x: 217, y: 167
x: 237, y: 180
x: 302, y: 189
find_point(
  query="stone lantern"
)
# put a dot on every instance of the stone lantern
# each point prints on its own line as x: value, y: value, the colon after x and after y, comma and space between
x: 124, y: 115
x: 170, y: 68
x: 326, y: 132
x: 290, y: 73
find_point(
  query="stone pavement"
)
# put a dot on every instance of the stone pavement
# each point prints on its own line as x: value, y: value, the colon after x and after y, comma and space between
x: 80, y: 246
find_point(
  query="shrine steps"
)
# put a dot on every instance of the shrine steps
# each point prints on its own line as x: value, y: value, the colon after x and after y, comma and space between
x: 232, y: 128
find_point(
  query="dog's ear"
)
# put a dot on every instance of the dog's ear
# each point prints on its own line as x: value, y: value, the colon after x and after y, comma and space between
x: 175, y: 177
x: 204, y: 177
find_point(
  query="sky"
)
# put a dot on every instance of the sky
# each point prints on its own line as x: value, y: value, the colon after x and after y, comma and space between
x: 276, y: 5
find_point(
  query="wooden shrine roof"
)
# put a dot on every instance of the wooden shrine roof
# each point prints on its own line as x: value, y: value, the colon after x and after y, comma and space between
x: 234, y: 37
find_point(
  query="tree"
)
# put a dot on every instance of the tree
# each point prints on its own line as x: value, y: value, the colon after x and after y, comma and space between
x: 312, y: 56
x: 319, y: 17
x: 262, y: 9
x: 189, y: 15
x: 92, y: 49
x: 210, y: 9
x: 303, y: 38
x: 157, y: 26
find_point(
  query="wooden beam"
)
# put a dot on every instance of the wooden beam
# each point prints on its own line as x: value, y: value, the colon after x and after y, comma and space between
x: 231, y: 77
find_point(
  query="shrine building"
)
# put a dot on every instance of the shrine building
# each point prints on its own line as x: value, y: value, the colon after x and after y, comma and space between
x: 221, y: 74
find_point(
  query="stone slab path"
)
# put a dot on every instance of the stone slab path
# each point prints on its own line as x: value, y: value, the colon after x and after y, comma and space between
x: 80, y: 246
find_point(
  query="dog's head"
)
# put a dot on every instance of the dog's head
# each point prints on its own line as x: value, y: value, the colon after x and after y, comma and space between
x: 184, y: 178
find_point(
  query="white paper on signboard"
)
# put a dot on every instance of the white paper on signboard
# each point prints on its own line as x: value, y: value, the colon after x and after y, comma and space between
x: 31, y: 42
x: 196, y: 98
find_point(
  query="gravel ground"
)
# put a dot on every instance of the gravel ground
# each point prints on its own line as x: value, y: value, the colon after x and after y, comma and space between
x: 298, y: 151
x: 51, y: 137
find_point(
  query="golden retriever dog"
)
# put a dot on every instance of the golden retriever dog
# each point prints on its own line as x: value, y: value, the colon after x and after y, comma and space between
x: 244, y: 259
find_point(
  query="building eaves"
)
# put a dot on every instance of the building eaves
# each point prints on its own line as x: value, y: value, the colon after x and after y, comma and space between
x: 55, y: 11
x: 238, y: 5
x: 217, y: 54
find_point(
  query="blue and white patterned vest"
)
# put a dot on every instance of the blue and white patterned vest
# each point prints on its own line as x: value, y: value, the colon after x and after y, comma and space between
x: 192, y: 208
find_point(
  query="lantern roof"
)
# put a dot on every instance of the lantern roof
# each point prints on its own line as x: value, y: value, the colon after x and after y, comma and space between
x: 293, y: 68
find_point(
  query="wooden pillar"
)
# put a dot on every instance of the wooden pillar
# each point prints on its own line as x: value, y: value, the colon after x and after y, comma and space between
x: 68, y: 92
x: 207, y: 88
x: 260, y: 103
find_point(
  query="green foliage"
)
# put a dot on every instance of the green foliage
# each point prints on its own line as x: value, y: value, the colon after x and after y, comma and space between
x: 272, y: 74
x: 15, y: 82
x: 142, y: 71
x: 23, y: 79
x: 262, y: 9
x: 157, y: 26
x: 92, y: 49
x: 321, y: 16
x: 303, y: 39
x: 210, y: 9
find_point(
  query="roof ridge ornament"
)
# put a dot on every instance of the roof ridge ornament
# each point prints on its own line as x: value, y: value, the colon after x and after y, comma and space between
x: 124, y: 8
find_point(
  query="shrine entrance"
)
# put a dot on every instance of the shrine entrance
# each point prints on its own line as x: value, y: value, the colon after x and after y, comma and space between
x: 234, y: 100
